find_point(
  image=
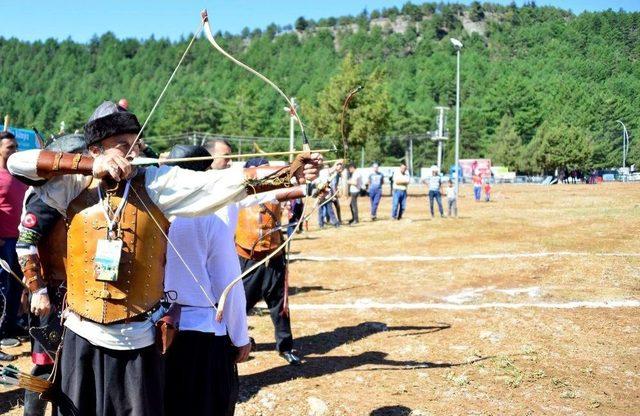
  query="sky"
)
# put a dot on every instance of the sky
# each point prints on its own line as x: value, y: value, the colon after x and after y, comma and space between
x: 81, y: 19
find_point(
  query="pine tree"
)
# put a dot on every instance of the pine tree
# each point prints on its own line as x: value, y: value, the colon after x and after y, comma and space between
x: 507, y: 147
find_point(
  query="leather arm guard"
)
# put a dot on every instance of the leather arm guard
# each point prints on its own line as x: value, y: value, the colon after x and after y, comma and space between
x: 51, y: 164
x: 279, y: 178
x: 32, y: 271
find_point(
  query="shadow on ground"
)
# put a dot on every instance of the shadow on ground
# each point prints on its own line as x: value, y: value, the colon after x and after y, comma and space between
x: 10, y: 399
x: 391, y: 411
x: 322, y: 343
x: 314, y: 367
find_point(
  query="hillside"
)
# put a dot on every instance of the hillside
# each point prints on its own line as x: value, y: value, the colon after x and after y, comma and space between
x: 541, y: 87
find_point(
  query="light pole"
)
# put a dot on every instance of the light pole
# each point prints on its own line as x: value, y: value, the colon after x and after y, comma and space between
x: 457, y: 45
x: 625, y: 143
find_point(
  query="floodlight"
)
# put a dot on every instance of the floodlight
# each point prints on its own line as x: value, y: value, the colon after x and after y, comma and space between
x: 456, y: 43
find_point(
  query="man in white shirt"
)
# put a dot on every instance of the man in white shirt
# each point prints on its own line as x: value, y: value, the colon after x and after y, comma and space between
x: 355, y: 185
x: 201, y: 364
x: 116, y: 252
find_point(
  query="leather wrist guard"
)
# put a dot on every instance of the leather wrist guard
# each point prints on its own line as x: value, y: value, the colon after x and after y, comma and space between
x: 32, y: 271
x: 280, y: 178
x: 298, y: 164
x: 51, y: 164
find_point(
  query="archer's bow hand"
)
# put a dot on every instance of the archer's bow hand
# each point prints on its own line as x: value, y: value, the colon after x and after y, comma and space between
x: 305, y: 167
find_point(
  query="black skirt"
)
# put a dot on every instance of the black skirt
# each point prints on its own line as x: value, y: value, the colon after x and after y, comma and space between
x: 103, y: 382
x: 202, y: 377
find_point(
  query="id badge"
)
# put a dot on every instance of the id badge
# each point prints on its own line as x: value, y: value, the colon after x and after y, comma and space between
x: 107, y: 260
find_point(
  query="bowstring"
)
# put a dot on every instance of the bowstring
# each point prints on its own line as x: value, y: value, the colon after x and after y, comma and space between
x: 166, y: 86
x: 292, y: 109
x: 213, y: 305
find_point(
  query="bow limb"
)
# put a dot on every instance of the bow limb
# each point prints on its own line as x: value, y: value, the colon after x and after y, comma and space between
x: 345, y: 106
x: 305, y: 147
x: 212, y: 41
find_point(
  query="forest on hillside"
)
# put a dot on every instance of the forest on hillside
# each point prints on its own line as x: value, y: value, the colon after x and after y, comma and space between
x: 541, y: 87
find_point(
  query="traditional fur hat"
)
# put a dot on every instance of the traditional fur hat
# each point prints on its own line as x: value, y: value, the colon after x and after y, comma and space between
x: 109, y: 120
x: 185, y: 150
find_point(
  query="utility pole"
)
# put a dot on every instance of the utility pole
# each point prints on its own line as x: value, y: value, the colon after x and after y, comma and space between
x: 362, y: 157
x: 411, y: 156
x: 440, y: 136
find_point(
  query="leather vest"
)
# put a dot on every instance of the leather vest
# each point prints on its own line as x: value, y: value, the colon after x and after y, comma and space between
x: 256, y: 236
x: 139, y: 286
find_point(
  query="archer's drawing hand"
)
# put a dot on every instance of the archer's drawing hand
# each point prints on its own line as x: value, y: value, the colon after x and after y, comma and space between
x: 114, y: 166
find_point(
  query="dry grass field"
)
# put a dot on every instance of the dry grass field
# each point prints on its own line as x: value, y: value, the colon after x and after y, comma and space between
x: 527, y: 305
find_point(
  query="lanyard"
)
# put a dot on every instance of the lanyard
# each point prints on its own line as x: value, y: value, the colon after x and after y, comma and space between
x: 111, y: 222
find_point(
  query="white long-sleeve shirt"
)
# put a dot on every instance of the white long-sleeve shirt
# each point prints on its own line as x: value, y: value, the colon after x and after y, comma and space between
x: 174, y: 190
x: 209, y: 250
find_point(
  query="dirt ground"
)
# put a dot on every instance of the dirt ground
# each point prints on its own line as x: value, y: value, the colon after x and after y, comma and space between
x: 526, y: 305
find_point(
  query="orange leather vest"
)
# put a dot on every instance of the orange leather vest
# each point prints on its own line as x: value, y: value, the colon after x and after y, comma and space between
x: 255, y: 236
x: 140, y: 276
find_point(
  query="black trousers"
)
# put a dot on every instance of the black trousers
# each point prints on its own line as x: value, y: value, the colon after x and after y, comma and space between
x: 103, y: 382
x: 354, y: 206
x: 267, y: 282
x: 10, y: 291
x: 202, y: 377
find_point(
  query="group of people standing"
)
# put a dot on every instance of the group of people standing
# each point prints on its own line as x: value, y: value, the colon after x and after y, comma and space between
x: 356, y: 186
x: 480, y: 183
x: 149, y: 252
x: 371, y: 185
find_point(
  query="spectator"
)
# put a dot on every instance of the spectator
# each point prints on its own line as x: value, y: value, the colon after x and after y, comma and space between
x: 335, y: 188
x: 400, y: 181
x: 11, y: 196
x: 325, y: 212
x: 452, y: 203
x: 477, y: 186
x: 435, y: 182
x: 487, y: 190
x: 355, y: 185
x: 376, y: 179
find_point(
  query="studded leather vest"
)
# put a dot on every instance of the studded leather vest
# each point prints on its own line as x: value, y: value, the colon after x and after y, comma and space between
x: 256, y: 235
x: 139, y: 286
